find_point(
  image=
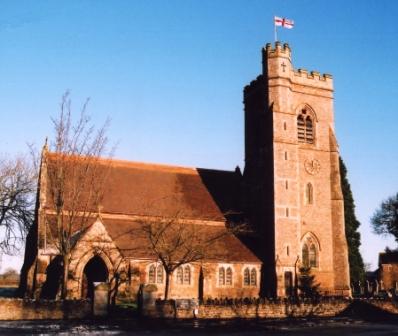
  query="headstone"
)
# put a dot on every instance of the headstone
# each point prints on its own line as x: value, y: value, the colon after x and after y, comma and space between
x: 148, y: 295
x: 361, y: 288
x: 101, y: 299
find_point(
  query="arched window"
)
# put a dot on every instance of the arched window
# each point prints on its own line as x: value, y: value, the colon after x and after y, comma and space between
x: 250, y: 277
x: 305, y: 128
x: 312, y: 258
x: 310, y: 250
x: 187, y: 275
x: 253, y: 277
x: 305, y: 255
x: 228, y: 278
x: 300, y: 128
x: 246, y: 277
x: 221, y: 276
x: 152, y: 274
x: 159, y: 274
x: 156, y: 274
x: 309, y: 194
x: 179, y: 275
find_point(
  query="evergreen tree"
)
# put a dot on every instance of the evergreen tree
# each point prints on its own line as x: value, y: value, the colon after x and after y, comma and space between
x: 357, y: 268
x: 307, y: 285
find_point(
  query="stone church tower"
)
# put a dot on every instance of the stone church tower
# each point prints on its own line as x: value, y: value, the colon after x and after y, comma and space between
x: 292, y: 178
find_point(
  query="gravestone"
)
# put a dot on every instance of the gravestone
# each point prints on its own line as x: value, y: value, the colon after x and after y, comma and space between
x: 101, y: 299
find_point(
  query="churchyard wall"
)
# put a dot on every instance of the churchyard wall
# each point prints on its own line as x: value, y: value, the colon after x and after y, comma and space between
x: 21, y: 309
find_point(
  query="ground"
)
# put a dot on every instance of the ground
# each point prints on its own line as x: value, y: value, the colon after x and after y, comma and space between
x: 324, y: 327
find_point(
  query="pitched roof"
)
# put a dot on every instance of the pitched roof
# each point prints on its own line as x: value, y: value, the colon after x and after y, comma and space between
x: 217, y: 242
x: 146, y: 191
x: 390, y: 257
x: 133, y: 188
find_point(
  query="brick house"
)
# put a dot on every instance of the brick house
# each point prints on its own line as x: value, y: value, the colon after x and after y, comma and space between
x: 387, y: 273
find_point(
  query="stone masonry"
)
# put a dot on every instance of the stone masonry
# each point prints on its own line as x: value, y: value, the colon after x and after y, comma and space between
x: 292, y: 173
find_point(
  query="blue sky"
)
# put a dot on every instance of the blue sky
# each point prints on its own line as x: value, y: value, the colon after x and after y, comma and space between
x: 170, y: 76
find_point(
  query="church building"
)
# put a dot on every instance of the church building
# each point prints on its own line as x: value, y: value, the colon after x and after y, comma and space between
x: 288, y: 197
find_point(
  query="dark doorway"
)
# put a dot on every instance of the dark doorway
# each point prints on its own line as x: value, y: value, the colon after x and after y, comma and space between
x: 53, y: 280
x: 94, y: 271
x: 201, y: 280
x: 288, y: 283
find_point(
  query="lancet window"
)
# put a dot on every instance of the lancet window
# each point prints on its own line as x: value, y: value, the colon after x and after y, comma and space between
x: 183, y: 275
x: 250, y: 277
x: 225, y: 276
x: 309, y: 194
x: 155, y: 274
x: 310, y: 253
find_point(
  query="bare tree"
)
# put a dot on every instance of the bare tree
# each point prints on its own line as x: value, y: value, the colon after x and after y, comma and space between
x: 176, y: 242
x: 74, y: 177
x: 18, y: 183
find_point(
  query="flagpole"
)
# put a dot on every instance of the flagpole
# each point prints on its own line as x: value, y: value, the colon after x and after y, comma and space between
x: 275, y: 35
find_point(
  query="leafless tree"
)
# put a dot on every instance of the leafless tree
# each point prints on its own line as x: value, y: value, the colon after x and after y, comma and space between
x: 74, y: 177
x: 18, y: 183
x: 175, y: 242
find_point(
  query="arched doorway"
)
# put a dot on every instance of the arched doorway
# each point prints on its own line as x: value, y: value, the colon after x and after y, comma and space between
x: 94, y: 271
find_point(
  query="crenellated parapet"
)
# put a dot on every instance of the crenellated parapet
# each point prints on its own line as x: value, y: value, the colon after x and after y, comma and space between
x: 312, y: 75
x: 280, y: 50
x: 277, y: 64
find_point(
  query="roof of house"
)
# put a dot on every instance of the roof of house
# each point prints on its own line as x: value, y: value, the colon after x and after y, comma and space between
x: 390, y: 257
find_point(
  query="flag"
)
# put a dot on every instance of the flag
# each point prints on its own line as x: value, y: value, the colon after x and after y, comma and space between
x: 283, y: 22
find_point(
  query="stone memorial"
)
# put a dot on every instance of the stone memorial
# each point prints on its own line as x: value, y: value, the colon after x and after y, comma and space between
x: 101, y: 299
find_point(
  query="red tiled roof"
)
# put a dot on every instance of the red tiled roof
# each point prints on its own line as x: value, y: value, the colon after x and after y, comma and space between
x: 132, y: 188
x: 157, y: 191
x: 219, y: 244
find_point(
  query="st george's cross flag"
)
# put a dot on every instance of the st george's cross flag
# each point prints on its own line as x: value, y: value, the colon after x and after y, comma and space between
x: 283, y: 22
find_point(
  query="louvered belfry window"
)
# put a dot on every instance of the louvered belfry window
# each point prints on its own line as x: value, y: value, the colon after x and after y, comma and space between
x: 305, y: 128
x: 300, y: 128
x: 309, y: 132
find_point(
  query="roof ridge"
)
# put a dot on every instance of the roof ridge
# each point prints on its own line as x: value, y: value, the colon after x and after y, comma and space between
x: 137, y: 164
x: 151, y: 166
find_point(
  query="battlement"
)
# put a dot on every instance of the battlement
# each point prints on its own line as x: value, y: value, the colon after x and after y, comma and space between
x: 312, y: 74
x: 274, y: 67
x: 279, y: 50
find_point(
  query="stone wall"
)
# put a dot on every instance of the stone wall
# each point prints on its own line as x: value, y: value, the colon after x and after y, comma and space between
x: 268, y: 309
x: 389, y: 306
x: 19, y: 309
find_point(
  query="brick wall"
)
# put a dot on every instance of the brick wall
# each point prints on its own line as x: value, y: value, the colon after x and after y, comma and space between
x: 19, y: 309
